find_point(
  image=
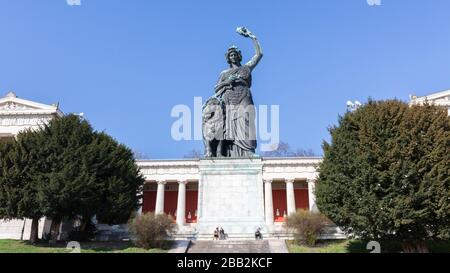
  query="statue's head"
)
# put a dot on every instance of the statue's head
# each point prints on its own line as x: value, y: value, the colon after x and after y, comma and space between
x: 233, y: 55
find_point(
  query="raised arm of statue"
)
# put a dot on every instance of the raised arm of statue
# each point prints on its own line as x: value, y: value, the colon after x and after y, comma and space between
x: 258, y: 55
x: 258, y: 50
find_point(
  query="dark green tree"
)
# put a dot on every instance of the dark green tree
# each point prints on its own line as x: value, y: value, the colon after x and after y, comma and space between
x: 66, y: 182
x: 19, y: 190
x: 118, y: 180
x: 66, y: 170
x: 92, y: 174
x: 385, y: 174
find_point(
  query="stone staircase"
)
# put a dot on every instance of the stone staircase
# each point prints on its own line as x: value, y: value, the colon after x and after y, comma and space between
x: 225, y: 246
x: 276, y: 232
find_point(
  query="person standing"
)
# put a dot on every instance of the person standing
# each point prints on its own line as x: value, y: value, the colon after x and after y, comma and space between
x: 222, y: 234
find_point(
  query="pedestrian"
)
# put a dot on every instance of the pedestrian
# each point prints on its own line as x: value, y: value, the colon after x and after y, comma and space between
x: 258, y: 235
x: 222, y: 234
x: 216, y: 234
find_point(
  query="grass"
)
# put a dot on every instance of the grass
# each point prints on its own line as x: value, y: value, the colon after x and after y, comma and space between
x: 359, y: 246
x: 338, y: 246
x: 14, y: 246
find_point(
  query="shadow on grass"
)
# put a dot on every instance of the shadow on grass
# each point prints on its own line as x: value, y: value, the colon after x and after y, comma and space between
x: 111, y: 246
x: 359, y: 246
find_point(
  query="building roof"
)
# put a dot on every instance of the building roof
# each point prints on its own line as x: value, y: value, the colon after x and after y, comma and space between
x: 10, y: 104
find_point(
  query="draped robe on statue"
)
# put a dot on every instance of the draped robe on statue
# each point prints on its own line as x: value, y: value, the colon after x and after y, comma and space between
x: 240, y: 131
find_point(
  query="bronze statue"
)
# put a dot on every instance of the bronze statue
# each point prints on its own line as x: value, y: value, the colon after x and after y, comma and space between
x: 229, y: 116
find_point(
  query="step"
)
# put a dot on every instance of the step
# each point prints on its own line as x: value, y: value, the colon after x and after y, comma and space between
x: 226, y: 246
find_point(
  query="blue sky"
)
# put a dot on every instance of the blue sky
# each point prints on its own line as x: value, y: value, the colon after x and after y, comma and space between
x: 125, y: 64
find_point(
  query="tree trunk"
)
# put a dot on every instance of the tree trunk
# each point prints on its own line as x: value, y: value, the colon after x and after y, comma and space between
x: 415, y: 247
x: 54, y: 229
x: 23, y: 229
x: 34, y: 235
x: 84, y: 222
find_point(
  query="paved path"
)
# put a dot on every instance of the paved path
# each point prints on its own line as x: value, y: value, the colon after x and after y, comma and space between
x: 229, y: 247
x: 278, y: 246
x: 180, y: 246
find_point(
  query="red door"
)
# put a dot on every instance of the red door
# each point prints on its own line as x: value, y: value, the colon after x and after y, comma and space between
x: 301, y: 199
x: 149, y: 201
x: 279, y: 204
x: 170, y: 203
x: 191, y: 206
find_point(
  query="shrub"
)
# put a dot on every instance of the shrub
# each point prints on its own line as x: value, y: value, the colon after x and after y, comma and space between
x: 307, y: 226
x: 151, y: 231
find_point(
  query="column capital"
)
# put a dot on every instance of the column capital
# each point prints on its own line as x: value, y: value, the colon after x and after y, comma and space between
x: 183, y: 181
x: 311, y: 180
x: 163, y: 182
x: 290, y: 180
x: 268, y: 180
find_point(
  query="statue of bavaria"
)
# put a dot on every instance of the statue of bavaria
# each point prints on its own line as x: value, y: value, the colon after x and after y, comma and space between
x: 229, y: 116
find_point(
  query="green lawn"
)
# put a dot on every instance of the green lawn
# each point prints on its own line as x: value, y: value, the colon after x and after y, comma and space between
x: 358, y: 246
x: 14, y: 246
x: 322, y: 247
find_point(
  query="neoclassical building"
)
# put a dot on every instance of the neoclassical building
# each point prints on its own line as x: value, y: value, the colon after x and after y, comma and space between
x: 240, y: 195
x: 17, y: 114
x: 441, y: 99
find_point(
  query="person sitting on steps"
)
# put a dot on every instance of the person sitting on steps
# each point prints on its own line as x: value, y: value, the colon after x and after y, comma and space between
x: 216, y: 234
x: 258, y: 235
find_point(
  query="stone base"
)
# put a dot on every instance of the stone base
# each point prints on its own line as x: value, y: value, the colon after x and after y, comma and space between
x: 231, y: 196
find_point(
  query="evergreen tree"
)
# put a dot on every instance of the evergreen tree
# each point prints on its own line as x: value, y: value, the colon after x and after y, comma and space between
x: 118, y: 182
x: 386, y: 175
x: 66, y: 184
x: 66, y: 170
x: 19, y: 192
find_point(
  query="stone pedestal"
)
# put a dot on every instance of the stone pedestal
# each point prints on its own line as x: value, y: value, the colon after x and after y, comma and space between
x: 231, y: 196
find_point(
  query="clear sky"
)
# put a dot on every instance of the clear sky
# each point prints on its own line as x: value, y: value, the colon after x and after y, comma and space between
x: 125, y: 64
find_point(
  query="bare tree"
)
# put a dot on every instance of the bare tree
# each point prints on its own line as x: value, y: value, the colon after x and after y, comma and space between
x: 139, y: 155
x: 285, y: 150
x: 194, y: 153
x: 305, y: 153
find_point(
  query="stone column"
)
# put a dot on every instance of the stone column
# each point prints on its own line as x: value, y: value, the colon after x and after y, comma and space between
x: 159, y: 208
x: 141, y: 200
x: 290, y: 196
x: 268, y: 202
x: 181, y: 203
x: 312, y: 194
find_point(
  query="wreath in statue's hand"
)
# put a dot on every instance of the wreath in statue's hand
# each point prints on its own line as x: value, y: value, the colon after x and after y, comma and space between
x: 245, y: 32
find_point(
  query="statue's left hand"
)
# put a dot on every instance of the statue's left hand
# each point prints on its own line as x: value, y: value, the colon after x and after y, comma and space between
x: 233, y: 77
